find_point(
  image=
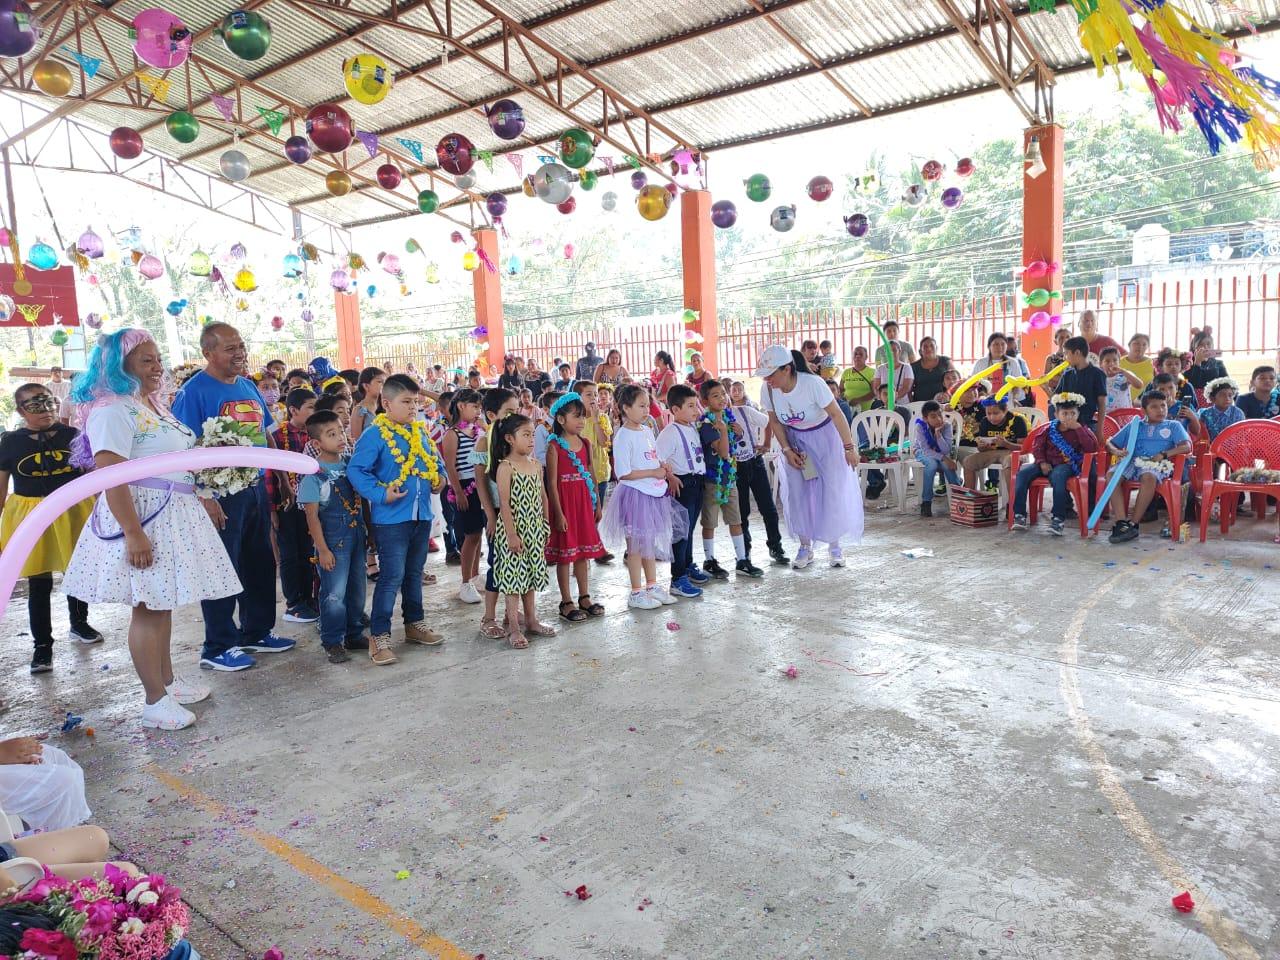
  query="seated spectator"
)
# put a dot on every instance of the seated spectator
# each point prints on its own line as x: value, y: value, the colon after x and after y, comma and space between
x: 997, y: 433
x: 1262, y: 402
x: 809, y: 350
x: 1222, y: 411
x: 857, y: 383
x: 1121, y: 383
x: 903, y: 375
x: 1159, y: 440
x: 1179, y: 409
x: 1089, y: 330
x: 931, y: 443
x: 928, y: 372
x: 950, y: 380
x: 1205, y: 365
x: 840, y: 400
x: 1138, y: 363
x: 41, y: 785
x: 73, y: 854
x: 1171, y: 362
x: 826, y: 360
x: 1059, y: 452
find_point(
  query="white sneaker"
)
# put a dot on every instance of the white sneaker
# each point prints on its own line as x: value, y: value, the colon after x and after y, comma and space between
x: 661, y: 594
x: 837, y: 557
x: 167, y: 714
x: 803, y: 558
x: 468, y: 593
x: 187, y: 691
x: 644, y: 600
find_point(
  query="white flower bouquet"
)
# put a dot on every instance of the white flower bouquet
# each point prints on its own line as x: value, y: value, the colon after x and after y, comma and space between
x: 225, y: 481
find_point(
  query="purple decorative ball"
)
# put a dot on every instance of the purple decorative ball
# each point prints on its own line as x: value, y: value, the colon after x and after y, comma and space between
x: 857, y: 225
x: 639, y: 180
x: 496, y: 204
x: 308, y: 316
x: 506, y: 119
x: 724, y: 214
x: 19, y: 28
x: 297, y: 149
x: 952, y: 197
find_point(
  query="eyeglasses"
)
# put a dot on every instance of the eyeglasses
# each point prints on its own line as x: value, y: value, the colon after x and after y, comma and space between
x: 38, y: 404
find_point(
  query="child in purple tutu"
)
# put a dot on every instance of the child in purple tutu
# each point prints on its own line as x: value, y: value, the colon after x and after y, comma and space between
x: 819, y: 490
x: 641, y: 513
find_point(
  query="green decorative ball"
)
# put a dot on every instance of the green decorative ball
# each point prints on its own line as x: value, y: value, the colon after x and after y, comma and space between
x: 246, y: 34
x: 182, y: 126
x: 758, y: 187
x: 576, y: 148
x: 428, y: 201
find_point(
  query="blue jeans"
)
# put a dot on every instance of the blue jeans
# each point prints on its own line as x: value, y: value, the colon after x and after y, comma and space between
x: 402, y: 553
x: 931, y: 470
x: 1057, y: 477
x: 690, y: 497
x: 246, y: 538
x: 297, y: 575
x: 452, y: 537
x: 342, y: 589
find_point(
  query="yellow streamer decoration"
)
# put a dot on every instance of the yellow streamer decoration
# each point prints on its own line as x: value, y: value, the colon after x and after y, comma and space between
x: 31, y: 311
x: 158, y: 86
x: 964, y: 387
x: 1025, y: 383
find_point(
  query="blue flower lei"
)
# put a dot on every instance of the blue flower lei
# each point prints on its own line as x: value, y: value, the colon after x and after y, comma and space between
x: 726, y: 475
x: 577, y: 463
x: 928, y: 435
x: 1074, y: 456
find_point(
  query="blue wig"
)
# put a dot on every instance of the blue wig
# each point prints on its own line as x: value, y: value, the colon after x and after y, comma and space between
x: 104, y: 381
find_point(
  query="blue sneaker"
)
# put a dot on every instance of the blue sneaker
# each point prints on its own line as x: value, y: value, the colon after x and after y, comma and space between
x: 683, y: 588
x: 696, y: 574
x: 270, y: 644
x: 232, y: 661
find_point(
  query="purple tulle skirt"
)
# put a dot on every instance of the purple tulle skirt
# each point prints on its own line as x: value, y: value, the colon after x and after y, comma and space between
x: 643, y: 525
x: 828, y: 508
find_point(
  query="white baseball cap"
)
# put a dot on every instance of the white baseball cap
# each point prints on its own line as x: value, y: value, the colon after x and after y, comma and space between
x: 774, y: 356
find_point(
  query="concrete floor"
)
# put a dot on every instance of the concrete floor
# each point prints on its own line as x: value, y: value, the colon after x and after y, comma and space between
x: 1021, y: 747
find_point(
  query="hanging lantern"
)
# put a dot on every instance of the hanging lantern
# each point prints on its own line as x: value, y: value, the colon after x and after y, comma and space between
x: 820, y: 189
x: 297, y: 149
x: 330, y: 128
x: 567, y: 206
x: 307, y: 316
x: 8, y: 308
x: 455, y: 153
x: 653, y: 202
x: 277, y: 323
x: 724, y: 214
x: 931, y: 171
x: 470, y: 261
x: 367, y: 78
x: 340, y: 280
x: 42, y: 256
x: 964, y: 167
x: 150, y: 266
x: 90, y: 244
x: 52, y: 78
x: 19, y: 28
x: 126, y: 143
x: 292, y: 265
x: 506, y: 119
x: 200, y: 265
x: 246, y: 34
x: 234, y: 166
x: 496, y: 204
x: 58, y: 336
x: 161, y: 39
x: 428, y: 201
x: 182, y: 126
x: 245, y: 281
x: 857, y: 225
x: 576, y: 148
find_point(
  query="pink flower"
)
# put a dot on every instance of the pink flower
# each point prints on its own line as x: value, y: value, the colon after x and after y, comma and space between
x: 273, y: 954
x: 100, y: 918
x: 48, y: 943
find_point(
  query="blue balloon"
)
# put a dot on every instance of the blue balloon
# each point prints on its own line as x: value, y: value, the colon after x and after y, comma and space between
x: 370, y: 290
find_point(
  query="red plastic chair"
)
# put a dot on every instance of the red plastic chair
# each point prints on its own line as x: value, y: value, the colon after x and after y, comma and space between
x: 1170, y: 490
x: 1122, y: 415
x: 1239, y: 446
x: 1077, y: 485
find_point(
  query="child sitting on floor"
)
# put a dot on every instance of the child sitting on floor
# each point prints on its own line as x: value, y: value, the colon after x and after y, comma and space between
x: 1222, y: 411
x: 931, y: 442
x: 1158, y: 441
x: 1058, y: 453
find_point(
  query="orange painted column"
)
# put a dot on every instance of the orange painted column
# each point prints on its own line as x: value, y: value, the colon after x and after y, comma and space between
x: 488, y: 294
x: 346, y: 308
x: 698, y: 254
x: 1042, y: 212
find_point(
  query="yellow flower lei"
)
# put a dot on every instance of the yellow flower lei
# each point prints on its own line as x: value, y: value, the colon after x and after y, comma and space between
x: 426, y: 455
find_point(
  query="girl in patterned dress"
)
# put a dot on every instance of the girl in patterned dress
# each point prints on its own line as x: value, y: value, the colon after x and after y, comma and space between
x: 521, y: 535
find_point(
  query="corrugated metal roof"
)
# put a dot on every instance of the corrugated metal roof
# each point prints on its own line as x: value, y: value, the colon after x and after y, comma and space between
x: 715, y: 72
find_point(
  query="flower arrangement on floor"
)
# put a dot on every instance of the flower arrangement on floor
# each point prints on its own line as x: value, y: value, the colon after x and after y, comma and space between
x: 225, y: 481
x: 116, y: 918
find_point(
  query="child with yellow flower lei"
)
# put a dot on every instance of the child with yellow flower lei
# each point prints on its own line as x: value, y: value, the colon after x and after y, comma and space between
x: 422, y: 458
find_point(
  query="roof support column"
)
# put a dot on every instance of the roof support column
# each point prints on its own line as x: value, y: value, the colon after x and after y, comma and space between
x: 488, y: 293
x: 1042, y: 213
x: 698, y: 255
x: 346, y: 308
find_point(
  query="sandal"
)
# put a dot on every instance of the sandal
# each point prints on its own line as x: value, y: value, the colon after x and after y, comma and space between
x: 518, y: 640
x: 574, y: 615
x: 591, y: 609
x: 490, y: 630
x: 429, y: 579
x: 540, y: 629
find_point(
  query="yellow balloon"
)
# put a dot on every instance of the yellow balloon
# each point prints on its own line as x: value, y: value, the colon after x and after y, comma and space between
x: 653, y: 202
x: 1025, y: 383
x: 367, y: 78
x: 52, y: 77
x: 960, y: 391
x: 338, y: 182
x: 245, y: 281
x: 470, y: 261
x: 527, y: 185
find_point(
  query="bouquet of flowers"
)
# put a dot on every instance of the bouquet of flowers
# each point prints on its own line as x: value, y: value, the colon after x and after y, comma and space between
x: 116, y: 918
x: 225, y: 481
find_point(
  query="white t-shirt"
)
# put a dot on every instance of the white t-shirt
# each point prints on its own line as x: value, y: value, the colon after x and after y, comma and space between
x: 902, y: 373
x: 131, y: 430
x: 804, y: 407
x: 681, y: 447
x: 59, y: 390
x: 635, y: 450
x: 751, y: 440
x: 1118, y: 392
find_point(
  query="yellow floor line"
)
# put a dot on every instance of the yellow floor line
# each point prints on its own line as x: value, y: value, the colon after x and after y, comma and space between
x: 360, y: 898
x: 1228, y: 938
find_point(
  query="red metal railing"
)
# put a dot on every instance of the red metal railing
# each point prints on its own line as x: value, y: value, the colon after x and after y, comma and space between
x: 638, y: 344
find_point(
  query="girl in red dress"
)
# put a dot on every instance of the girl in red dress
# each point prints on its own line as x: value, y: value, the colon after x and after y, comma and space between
x: 575, y: 507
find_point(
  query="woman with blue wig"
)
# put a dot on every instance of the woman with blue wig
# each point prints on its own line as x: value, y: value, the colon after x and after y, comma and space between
x: 149, y: 544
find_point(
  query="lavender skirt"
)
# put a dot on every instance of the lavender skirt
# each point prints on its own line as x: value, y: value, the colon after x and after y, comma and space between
x: 644, y: 525
x: 828, y: 508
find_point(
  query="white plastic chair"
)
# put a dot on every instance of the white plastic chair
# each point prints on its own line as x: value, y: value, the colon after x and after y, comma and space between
x: 873, y: 429
x: 1034, y: 415
x: 913, y: 408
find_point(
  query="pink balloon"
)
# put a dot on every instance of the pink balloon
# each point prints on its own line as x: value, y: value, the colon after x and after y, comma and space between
x: 1038, y: 320
x: 150, y: 267
x: 1036, y: 268
x: 163, y: 39
x: 51, y: 507
x: 1055, y: 319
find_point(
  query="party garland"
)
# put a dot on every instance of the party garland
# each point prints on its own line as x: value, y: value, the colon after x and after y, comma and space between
x: 577, y: 464
x: 1255, y: 475
x: 1074, y: 456
x: 418, y: 453
x: 726, y: 475
x: 1161, y: 468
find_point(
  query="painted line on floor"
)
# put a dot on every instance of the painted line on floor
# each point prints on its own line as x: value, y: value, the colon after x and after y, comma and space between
x: 1228, y: 937
x: 356, y: 895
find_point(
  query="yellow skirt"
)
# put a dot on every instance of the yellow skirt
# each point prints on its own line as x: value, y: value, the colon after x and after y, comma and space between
x: 52, y: 552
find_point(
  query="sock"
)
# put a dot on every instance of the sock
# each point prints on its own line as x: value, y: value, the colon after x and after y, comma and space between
x: 739, y: 546
x: 709, y: 548
x: 651, y: 584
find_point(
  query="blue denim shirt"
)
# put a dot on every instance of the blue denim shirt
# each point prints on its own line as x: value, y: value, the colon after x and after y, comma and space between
x: 372, y: 465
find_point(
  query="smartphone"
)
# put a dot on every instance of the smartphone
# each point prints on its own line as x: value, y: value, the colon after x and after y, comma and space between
x: 810, y: 469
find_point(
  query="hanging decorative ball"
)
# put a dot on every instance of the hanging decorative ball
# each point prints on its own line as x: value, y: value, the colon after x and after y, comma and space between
x: 126, y: 143
x: 639, y: 180
x: 672, y: 189
x: 58, y: 337
x: 432, y: 273
x: 689, y: 317
x: 608, y: 201
x: 242, y: 304
x: 783, y: 218
x: 8, y: 308
x: 199, y: 265
x: 569, y: 251
x: 338, y: 183
x: 245, y: 281
x: 914, y: 195
x: 182, y: 126
x: 857, y: 225
x: 52, y: 77
x: 234, y: 166
x: 150, y: 266
x: 931, y: 171
x: 820, y: 189
x: 952, y: 197
x: 553, y: 183
x: 238, y: 251
x: 496, y: 204
x: 455, y: 154
x: 514, y: 265
x: 389, y: 176
x: 428, y: 201
x: 568, y: 206
x: 526, y: 185
x: 93, y: 321
x: 246, y: 34
x: 307, y: 316
x: 724, y: 214
x: 588, y: 179
x: 174, y: 308
x: 297, y: 149
x: 470, y: 261
x: 758, y: 187
x: 277, y: 323
x: 506, y: 119
x: 412, y: 246
x: 390, y: 263
x: 653, y: 202
x: 42, y: 256
x: 90, y: 244
x: 456, y: 237
x: 330, y: 128
x: 340, y: 280
x: 964, y: 167
x: 161, y: 39
x: 367, y: 78
x: 308, y: 251
x: 292, y: 266
x: 19, y: 28
x: 465, y: 181
x: 576, y: 148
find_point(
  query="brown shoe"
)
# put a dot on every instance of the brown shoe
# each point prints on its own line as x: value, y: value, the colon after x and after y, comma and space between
x: 420, y: 633
x: 380, y: 651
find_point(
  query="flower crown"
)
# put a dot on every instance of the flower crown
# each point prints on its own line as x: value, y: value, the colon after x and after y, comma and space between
x: 1072, y: 399
x: 1213, y: 386
x: 563, y: 402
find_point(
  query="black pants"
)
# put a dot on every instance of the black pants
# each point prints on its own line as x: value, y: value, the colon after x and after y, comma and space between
x: 296, y: 572
x: 691, y: 486
x: 39, y: 592
x: 753, y: 481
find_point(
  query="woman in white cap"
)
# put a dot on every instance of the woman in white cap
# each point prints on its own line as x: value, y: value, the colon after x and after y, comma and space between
x: 819, y: 490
